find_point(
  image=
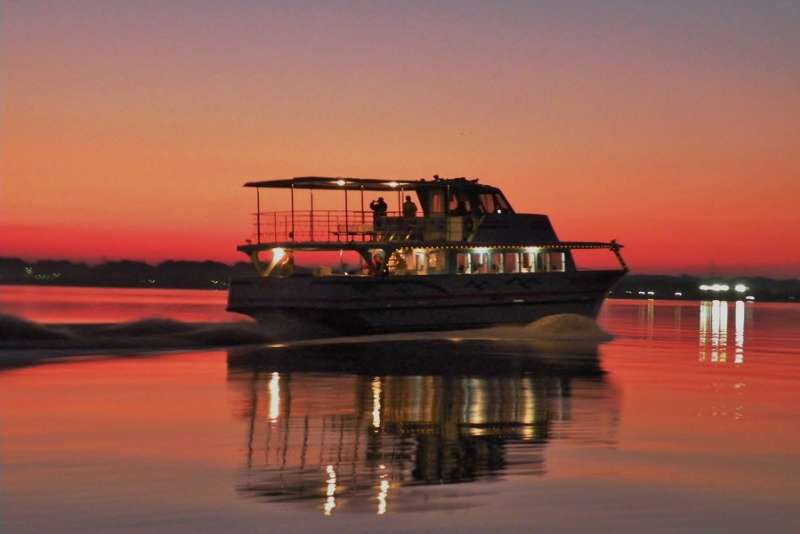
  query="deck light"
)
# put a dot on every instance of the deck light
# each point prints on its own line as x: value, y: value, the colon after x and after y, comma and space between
x: 480, y: 250
x: 678, y: 294
x: 740, y: 288
x: 750, y: 297
x: 277, y: 254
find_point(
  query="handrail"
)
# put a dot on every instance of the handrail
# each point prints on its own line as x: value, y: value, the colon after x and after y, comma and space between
x: 326, y: 226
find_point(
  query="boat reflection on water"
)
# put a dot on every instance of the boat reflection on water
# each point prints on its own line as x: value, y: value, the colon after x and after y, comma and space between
x: 361, y: 426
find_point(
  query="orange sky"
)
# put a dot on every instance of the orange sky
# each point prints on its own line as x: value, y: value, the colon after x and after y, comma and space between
x: 127, y: 129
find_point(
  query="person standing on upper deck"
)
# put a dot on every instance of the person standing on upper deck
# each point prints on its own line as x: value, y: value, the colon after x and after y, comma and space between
x: 378, y: 207
x: 409, y: 208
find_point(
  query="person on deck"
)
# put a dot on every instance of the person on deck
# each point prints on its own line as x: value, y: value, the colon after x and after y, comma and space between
x: 378, y: 207
x: 409, y: 208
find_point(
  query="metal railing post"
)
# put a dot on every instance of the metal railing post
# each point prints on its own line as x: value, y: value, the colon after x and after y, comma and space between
x: 346, y: 219
x: 258, y: 215
x: 292, y: 234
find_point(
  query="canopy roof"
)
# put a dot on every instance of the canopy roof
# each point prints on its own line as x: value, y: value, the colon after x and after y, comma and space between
x: 367, y: 184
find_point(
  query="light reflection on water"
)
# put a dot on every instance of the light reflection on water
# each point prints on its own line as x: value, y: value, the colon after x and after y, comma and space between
x: 352, y: 439
x: 714, y: 337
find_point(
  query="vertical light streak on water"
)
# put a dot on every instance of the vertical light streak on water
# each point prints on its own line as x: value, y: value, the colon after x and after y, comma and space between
x: 528, y: 409
x: 477, y: 405
x: 739, y: 337
x: 383, y: 491
x: 651, y: 316
x: 715, y: 331
x: 723, y: 331
x: 704, y: 309
x: 330, y: 492
x: 274, y: 397
x: 376, y: 403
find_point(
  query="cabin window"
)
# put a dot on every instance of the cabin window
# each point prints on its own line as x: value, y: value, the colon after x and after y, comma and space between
x: 401, y: 262
x: 462, y: 263
x: 459, y: 204
x: 501, y: 205
x: 556, y: 261
x: 529, y: 262
x: 436, y: 261
x: 436, y: 203
x: 511, y: 262
x: 496, y: 262
x: 420, y: 262
x: 479, y: 262
x: 487, y: 202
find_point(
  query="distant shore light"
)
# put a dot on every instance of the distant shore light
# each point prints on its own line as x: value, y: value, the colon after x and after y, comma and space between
x: 740, y: 288
x: 340, y: 182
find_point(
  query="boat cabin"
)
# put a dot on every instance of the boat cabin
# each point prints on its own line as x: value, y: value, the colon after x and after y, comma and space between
x: 413, y: 227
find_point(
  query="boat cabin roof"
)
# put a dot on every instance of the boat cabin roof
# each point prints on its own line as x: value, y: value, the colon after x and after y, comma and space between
x: 371, y: 184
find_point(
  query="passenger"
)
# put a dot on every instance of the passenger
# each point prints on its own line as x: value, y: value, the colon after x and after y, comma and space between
x: 461, y: 209
x: 377, y: 264
x: 378, y: 207
x: 409, y: 208
x: 287, y: 264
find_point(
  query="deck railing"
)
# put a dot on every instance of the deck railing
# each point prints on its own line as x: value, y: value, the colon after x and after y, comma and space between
x: 329, y: 226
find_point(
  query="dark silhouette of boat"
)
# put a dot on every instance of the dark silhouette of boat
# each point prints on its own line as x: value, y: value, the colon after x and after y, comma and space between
x: 466, y: 259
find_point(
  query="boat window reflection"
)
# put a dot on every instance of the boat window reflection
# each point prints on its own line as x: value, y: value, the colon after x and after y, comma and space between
x: 361, y: 439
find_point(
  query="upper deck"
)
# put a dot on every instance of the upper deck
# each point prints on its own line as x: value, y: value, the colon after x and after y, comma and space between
x: 454, y: 210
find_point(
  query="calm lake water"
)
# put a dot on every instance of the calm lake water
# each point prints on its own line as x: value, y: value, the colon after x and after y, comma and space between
x: 688, y: 420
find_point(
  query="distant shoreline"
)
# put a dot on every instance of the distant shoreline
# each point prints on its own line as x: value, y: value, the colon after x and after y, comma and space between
x: 215, y: 275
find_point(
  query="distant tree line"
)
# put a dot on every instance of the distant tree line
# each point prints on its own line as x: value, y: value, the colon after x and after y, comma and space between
x: 216, y: 275
x: 685, y: 287
x: 124, y: 273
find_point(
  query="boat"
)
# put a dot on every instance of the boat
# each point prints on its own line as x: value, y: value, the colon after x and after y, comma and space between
x: 464, y: 259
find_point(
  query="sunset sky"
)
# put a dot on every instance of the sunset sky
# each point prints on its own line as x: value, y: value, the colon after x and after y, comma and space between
x: 127, y: 127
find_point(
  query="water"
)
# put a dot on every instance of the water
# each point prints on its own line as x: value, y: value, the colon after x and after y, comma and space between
x: 687, y: 420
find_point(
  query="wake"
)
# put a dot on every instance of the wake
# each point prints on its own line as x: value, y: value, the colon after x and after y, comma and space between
x: 564, y: 333
x: 18, y: 333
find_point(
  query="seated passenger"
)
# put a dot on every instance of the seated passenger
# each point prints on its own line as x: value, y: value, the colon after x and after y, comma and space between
x: 461, y: 209
x: 376, y: 266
